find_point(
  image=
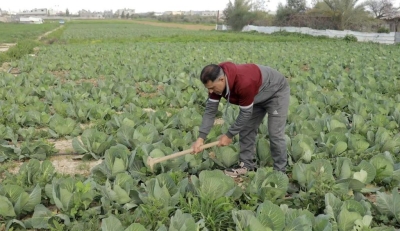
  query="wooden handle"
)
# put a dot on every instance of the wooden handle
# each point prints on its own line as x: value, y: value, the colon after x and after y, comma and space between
x: 178, y: 154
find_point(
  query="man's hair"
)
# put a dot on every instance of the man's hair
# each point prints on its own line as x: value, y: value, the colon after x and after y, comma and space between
x: 210, y: 72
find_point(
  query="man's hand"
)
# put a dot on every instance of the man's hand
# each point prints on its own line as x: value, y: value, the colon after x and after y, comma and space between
x: 224, y: 140
x: 197, y: 146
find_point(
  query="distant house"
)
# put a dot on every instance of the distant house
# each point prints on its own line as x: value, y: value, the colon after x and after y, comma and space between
x: 192, y: 12
x: 89, y: 14
x: 209, y: 13
x: 393, y: 22
x: 30, y: 20
x: 108, y: 14
x: 206, y: 13
x: 173, y: 13
x: 123, y: 12
x: 34, y: 12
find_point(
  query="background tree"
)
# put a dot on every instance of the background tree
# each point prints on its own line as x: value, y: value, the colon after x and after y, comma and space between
x: 381, y: 8
x: 285, y: 13
x: 259, y: 5
x: 297, y: 6
x: 346, y: 14
x: 67, y: 12
x: 239, y: 14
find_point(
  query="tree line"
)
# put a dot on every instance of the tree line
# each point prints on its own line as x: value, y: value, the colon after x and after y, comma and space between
x: 322, y: 14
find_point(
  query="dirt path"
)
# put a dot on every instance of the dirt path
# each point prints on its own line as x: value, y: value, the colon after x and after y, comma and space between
x: 5, y: 46
x: 48, y: 32
x: 177, y: 25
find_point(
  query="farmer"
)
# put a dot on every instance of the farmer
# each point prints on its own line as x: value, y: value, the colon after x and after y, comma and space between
x: 257, y: 90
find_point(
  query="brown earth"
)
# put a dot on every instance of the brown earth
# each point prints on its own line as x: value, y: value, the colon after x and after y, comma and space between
x: 67, y: 161
x: 65, y: 164
x: 5, y: 46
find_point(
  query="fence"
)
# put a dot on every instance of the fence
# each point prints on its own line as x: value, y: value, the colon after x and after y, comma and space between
x: 397, y: 39
x: 222, y: 27
x: 385, y: 38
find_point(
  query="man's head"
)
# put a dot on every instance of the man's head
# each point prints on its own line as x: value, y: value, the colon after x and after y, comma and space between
x: 213, y: 78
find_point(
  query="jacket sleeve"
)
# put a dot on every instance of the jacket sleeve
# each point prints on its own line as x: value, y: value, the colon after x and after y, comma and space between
x: 246, y: 102
x: 209, y: 115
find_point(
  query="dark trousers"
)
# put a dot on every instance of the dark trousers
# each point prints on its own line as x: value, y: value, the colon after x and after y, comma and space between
x: 277, y: 107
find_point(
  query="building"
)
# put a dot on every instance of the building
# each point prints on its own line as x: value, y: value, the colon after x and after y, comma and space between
x: 51, y: 12
x: 173, y: 13
x: 191, y: 13
x: 208, y: 13
x: 124, y: 12
x: 393, y: 22
x: 34, y: 12
x: 30, y: 20
x: 108, y: 14
x: 89, y: 14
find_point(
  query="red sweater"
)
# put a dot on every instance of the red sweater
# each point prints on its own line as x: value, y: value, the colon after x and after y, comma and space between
x: 244, y: 81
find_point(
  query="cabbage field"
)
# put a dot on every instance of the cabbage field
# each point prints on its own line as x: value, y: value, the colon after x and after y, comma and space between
x: 121, y: 101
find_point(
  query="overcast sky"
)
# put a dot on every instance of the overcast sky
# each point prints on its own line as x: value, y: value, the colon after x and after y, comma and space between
x: 101, y: 5
x: 138, y: 5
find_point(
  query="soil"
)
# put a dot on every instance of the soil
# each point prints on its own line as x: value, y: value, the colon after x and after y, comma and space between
x: 218, y: 121
x: 65, y: 164
x: 5, y: 66
x: 5, y: 46
x: 178, y: 25
x: 66, y: 161
x: 305, y: 67
x: 371, y: 197
x: 64, y: 146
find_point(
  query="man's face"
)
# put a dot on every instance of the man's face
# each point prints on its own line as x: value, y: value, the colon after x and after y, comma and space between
x: 217, y: 87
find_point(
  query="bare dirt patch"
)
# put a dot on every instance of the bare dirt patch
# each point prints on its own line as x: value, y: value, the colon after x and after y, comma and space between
x: 219, y: 121
x: 91, y: 81
x: 66, y: 165
x: 152, y: 110
x: 372, y: 198
x: 6, y: 67
x: 88, y: 125
x: 61, y: 74
x: 64, y: 146
x: 66, y: 161
x: 5, y: 46
x: 177, y: 25
x: 305, y: 67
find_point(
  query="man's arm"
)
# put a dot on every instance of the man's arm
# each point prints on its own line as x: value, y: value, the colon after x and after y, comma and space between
x: 242, y: 119
x: 208, y: 117
x: 246, y: 102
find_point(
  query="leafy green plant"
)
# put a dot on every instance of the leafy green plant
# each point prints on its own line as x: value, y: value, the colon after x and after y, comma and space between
x: 350, y: 38
x: 92, y: 143
x: 70, y: 195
